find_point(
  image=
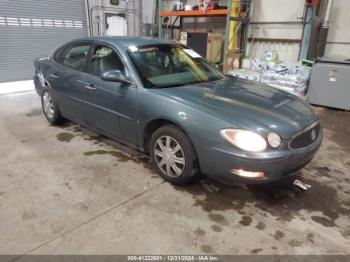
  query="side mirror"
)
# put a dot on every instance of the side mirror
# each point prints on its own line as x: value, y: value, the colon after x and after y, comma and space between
x: 115, y: 76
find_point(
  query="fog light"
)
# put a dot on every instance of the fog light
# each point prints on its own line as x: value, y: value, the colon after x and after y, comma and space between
x: 243, y: 173
x: 274, y: 140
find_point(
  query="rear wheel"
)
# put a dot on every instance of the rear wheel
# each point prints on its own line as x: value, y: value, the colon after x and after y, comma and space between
x: 50, y: 108
x: 172, y: 155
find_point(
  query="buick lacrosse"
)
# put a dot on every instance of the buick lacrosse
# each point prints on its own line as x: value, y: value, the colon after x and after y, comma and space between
x: 167, y: 101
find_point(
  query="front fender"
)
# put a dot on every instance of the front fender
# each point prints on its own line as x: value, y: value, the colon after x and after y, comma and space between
x: 197, y: 124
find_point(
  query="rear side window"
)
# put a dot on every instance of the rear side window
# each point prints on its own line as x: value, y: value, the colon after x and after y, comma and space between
x: 73, y: 56
x: 58, y: 56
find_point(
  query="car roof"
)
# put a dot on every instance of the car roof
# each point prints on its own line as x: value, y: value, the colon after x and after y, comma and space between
x: 125, y: 41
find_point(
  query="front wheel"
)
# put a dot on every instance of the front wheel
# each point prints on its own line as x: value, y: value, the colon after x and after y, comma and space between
x: 173, y: 155
x: 50, y: 108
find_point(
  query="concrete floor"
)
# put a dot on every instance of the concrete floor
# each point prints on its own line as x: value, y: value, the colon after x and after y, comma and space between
x: 65, y: 190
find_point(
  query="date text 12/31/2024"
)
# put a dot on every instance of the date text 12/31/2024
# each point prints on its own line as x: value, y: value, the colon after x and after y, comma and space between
x: 173, y: 258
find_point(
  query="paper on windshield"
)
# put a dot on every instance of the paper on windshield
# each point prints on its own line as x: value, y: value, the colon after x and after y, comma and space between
x: 192, y: 53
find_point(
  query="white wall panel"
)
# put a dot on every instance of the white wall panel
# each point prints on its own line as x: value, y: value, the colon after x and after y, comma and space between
x: 339, y: 31
x: 287, y: 53
x: 276, y: 11
x: 338, y: 50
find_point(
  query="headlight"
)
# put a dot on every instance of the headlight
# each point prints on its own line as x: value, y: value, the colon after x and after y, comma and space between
x: 243, y: 139
x: 274, y: 139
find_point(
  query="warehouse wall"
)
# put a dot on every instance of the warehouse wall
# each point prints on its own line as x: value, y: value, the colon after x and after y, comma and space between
x: 276, y: 10
x: 131, y: 9
x: 338, y: 40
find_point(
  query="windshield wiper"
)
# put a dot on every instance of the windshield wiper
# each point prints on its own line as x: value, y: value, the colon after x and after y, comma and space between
x: 186, y: 84
x: 171, y: 85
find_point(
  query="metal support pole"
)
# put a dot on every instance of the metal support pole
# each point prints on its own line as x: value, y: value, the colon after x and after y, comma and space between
x: 227, y: 28
x: 328, y: 11
x: 307, y: 33
x: 245, y: 28
x: 87, y: 11
x: 160, y: 20
x: 322, y: 39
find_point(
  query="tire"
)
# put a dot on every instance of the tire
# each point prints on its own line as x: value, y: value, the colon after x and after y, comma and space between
x: 177, y: 167
x: 50, y: 108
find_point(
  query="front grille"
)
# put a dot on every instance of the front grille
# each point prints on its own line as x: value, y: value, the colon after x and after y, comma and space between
x: 306, y: 137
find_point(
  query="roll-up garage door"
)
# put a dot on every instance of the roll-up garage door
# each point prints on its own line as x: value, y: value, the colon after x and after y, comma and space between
x: 34, y: 28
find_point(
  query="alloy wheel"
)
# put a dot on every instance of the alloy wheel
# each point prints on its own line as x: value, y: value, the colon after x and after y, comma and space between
x: 48, y: 105
x: 169, y: 156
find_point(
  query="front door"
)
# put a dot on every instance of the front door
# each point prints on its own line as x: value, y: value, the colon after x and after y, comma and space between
x: 111, y: 105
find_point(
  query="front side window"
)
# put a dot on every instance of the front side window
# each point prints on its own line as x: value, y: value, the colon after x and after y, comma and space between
x: 104, y: 59
x: 171, y: 65
x: 75, y: 57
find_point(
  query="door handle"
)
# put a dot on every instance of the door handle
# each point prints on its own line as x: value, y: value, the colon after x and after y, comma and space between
x: 53, y: 75
x: 90, y: 87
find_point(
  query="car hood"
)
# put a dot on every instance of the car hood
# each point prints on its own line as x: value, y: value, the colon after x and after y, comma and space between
x: 245, y: 104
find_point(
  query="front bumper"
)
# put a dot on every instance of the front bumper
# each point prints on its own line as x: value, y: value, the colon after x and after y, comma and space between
x: 218, y: 164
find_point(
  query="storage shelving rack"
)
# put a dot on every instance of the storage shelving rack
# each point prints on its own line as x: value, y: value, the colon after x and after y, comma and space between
x: 195, y: 13
x: 242, y: 17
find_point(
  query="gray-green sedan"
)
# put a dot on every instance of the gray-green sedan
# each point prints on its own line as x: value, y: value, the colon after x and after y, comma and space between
x: 166, y: 100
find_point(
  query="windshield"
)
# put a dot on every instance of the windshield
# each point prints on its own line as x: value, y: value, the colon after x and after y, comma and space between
x: 171, y: 65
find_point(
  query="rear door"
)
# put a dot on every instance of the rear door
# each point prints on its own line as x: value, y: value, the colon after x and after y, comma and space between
x: 66, y: 79
x: 111, y: 105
